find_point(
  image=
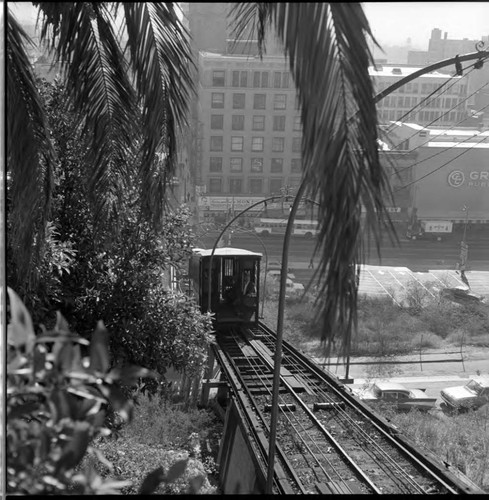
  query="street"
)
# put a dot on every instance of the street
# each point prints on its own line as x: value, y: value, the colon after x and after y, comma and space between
x: 418, y: 255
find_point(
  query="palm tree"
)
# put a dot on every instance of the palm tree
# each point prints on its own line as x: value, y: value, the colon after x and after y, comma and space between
x: 327, y: 45
x: 116, y: 114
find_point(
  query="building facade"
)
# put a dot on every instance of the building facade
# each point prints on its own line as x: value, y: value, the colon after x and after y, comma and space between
x: 249, y: 131
x: 447, y: 174
x: 440, y: 48
x: 447, y: 107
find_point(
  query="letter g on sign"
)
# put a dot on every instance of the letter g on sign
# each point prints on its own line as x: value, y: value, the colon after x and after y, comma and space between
x: 456, y: 178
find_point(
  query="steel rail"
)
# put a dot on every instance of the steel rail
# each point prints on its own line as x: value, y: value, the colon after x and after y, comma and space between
x: 239, y: 388
x: 385, y: 428
x: 301, y: 434
x: 405, y: 480
x: 377, y: 452
x: 325, y: 431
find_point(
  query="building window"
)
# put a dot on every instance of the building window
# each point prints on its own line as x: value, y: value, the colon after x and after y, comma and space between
x: 236, y: 144
x: 264, y: 79
x: 296, y: 166
x: 215, y: 164
x: 256, y: 79
x: 235, y: 186
x: 277, y: 165
x: 277, y: 79
x: 276, y: 185
x: 240, y: 78
x: 243, y: 78
x: 279, y: 123
x: 297, y: 102
x: 257, y: 165
x: 258, y: 122
x: 297, y: 124
x: 400, y: 102
x: 217, y: 100
x: 217, y: 122
x: 218, y: 78
x: 256, y: 186
x: 279, y: 101
x: 215, y: 185
x: 238, y: 101
x: 296, y: 144
x: 236, y: 165
x: 415, y: 88
x: 259, y: 101
x: 216, y: 143
x: 285, y: 80
x: 278, y: 144
x: 237, y: 122
x: 257, y: 143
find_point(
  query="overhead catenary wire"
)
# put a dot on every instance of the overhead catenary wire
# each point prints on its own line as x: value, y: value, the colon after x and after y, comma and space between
x: 457, y: 80
x: 437, y: 154
x: 439, y: 117
x: 441, y: 166
x: 444, y: 130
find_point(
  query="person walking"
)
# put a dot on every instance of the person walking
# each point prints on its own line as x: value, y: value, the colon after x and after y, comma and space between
x: 311, y: 264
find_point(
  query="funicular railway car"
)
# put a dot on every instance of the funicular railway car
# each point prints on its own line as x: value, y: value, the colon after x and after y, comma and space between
x: 234, y: 284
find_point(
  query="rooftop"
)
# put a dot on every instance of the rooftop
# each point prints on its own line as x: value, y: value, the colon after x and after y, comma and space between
x: 402, y: 71
x: 224, y: 251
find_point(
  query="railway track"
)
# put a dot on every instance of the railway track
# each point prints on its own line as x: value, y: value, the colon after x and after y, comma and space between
x: 328, y: 441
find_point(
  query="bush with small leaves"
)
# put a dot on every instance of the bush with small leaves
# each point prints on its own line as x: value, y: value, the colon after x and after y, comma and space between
x: 57, y: 399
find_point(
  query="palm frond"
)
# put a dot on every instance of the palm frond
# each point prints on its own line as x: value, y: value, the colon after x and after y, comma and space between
x: 82, y: 39
x: 161, y: 60
x: 326, y: 44
x: 30, y: 155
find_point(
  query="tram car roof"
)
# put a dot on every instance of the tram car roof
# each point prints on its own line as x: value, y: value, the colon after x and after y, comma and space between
x: 225, y: 251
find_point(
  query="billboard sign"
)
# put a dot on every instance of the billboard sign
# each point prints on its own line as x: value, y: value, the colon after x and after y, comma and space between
x: 437, y: 226
x: 475, y: 178
x: 226, y: 203
x: 446, y: 180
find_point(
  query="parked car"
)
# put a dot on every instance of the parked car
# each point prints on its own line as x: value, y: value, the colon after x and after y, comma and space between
x: 463, y: 397
x: 275, y: 273
x: 391, y: 392
x: 276, y: 265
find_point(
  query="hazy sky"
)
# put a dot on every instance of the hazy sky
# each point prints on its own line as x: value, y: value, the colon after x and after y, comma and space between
x: 394, y: 22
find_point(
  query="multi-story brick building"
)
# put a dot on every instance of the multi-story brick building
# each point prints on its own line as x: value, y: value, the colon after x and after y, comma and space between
x: 249, y: 126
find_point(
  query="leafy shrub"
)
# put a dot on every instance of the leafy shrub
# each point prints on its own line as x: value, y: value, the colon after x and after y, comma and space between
x: 56, y: 406
x: 158, y: 422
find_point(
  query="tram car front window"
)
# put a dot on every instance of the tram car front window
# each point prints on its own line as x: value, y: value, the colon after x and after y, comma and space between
x: 230, y: 288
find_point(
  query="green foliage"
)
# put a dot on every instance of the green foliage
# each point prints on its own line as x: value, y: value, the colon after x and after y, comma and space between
x: 158, y: 422
x: 115, y: 273
x: 170, y: 331
x: 461, y: 440
x: 386, y: 330
x: 160, y: 433
x: 56, y: 405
